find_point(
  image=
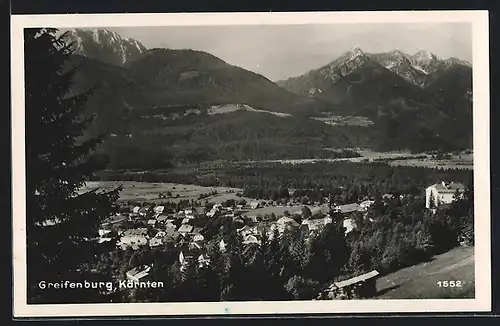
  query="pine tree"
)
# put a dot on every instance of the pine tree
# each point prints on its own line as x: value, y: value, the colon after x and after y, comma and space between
x: 424, y: 241
x: 61, y: 222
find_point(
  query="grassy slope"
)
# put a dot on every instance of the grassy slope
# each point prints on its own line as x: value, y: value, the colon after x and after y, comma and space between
x: 420, y: 281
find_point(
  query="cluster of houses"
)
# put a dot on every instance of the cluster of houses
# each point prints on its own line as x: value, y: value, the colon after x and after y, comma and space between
x: 184, y: 230
x: 319, y: 218
x: 155, y: 228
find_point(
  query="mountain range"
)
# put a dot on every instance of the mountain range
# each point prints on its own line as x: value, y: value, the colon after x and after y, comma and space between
x: 105, y: 45
x: 416, y: 68
x: 146, y: 98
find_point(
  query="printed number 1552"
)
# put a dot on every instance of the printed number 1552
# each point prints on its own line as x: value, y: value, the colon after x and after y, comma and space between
x: 449, y: 284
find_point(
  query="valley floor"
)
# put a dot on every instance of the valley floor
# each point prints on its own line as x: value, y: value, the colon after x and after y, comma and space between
x: 398, y: 158
x: 420, y: 281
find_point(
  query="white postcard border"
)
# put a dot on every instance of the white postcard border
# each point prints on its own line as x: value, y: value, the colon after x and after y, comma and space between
x: 482, y: 302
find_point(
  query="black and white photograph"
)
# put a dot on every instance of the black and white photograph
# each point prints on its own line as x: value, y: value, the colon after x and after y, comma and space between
x: 247, y: 163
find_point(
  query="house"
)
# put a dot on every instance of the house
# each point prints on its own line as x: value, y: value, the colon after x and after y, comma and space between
x: 133, y: 238
x: 115, y: 220
x: 185, y: 229
x: 171, y: 235
x: 135, y: 210
x: 196, y: 230
x: 244, y: 230
x: 198, y: 237
x: 170, y: 225
x: 155, y: 242
x: 324, y: 209
x: 466, y: 236
x: 152, y: 222
x: 103, y: 232
x: 364, y: 205
x: 286, y: 223
x: 186, y: 221
x: 442, y: 193
x: 254, y: 205
x: 348, y: 208
x: 138, y: 274
x: 162, y: 219
x: 349, y: 225
x: 159, y: 209
x: 317, y: 223
x: 251, y: 239
x: 327, y: 220
x: 143, y: 211
x: 359, y: 287
x: 160, y: 234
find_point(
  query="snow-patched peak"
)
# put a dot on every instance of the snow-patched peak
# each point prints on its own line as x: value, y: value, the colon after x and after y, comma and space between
x: 424, y: 55
x: 343, y: 65
x: 354, y: 52
x: 104, y: 45
x: 399, y: 54
x: 456, y: 61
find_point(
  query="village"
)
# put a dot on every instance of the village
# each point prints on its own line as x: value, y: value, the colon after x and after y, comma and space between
x: 184, y: 230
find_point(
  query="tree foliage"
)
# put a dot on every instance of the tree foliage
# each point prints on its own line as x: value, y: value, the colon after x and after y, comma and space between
x: 61, y: 221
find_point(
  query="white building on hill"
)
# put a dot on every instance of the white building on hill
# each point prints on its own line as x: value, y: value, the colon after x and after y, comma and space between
x: 442, y: 193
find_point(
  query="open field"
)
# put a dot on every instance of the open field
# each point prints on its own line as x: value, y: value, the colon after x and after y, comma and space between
x: 420, y: 281
x: 430, y: 163
x: 144, y: 191
x: 221, y: 109
x: 396, y: 158
x: 346, y: 121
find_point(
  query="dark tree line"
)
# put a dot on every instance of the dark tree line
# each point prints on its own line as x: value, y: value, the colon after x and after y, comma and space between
x: 341, y: 182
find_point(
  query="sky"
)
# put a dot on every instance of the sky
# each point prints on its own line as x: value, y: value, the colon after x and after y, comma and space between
x: 282, y: 51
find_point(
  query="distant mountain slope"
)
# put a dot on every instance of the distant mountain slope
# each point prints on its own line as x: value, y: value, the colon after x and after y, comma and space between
x: 358, y: 83
x: 451, y: 89
x: 104, y: 45
x: 403, y: 65
x: 402, y: 94
x: 193, y: 77
x: 116, y: 92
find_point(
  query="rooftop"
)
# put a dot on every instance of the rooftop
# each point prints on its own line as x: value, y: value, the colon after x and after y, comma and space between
x: 288, y: 221
x: 139, y: 231
x: 139, y: 272
x: 448, y: 187
x: 357, y: 279
x: 162, y: 218
x: 185, y: 228
x: 348, y: 208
